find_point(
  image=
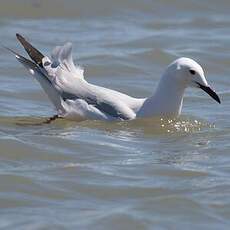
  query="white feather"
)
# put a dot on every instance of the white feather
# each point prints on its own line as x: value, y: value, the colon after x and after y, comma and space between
x: 77, y: 99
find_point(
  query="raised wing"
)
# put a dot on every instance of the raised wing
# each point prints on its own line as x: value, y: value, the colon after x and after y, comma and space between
x: 45, y: 83
x: 34, y: 54
x: 65, y: 85
x: 61, y: 57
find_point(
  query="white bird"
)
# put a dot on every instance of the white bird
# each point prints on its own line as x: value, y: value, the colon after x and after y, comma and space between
x: 76, y: 99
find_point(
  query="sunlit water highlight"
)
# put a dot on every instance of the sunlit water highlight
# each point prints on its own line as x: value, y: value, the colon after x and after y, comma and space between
x: 145, y: 174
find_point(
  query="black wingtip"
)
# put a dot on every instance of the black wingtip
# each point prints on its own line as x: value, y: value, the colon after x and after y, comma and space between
x: 34, y: 54
x: 18, y: 36
x: 17, y: 55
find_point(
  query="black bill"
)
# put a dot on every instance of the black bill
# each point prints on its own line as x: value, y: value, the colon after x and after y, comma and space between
x: 210, y: 92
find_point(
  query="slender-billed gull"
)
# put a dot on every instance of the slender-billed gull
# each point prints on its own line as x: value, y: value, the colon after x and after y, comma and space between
x: 76, y: 99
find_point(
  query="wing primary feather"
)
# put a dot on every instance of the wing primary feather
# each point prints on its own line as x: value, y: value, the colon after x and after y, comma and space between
x: 34, y: 54
x: 27, y: 62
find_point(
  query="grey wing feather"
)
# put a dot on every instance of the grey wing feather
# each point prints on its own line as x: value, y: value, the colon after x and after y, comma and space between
x: 45, y: 82
x: 28, y: 64
x: 62, y: 56
x: 111, y: 110
x: 104, y: 107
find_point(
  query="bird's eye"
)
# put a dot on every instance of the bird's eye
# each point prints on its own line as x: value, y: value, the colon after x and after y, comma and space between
x: 193, y: 72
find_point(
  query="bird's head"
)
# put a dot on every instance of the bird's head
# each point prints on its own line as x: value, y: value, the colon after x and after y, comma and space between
x: 189, y: 73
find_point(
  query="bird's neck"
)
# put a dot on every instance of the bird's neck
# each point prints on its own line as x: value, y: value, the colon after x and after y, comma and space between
x: 166, y: 101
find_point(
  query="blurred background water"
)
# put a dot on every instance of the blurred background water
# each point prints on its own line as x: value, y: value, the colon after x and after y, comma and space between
x: 147, y: 174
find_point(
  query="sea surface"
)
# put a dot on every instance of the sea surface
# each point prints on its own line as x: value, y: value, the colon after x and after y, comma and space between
x: 145, y: 174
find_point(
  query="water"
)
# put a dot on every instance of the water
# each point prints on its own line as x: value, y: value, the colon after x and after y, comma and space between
x: 145, y: 174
